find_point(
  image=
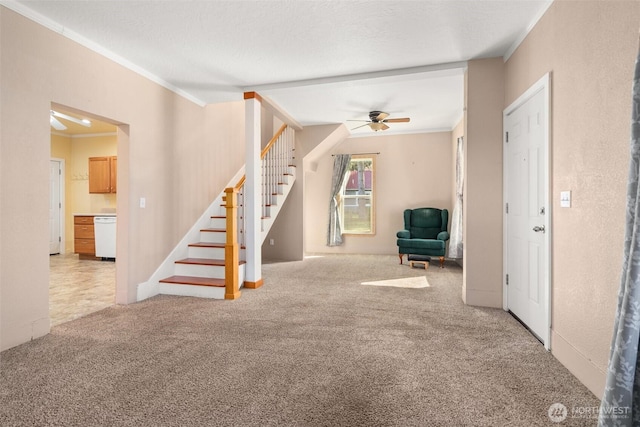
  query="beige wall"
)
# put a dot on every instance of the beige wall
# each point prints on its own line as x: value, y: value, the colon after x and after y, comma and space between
x: 590, y: 49
x: 176, y: 154
x: 482, y: 208
x: 411, y: 171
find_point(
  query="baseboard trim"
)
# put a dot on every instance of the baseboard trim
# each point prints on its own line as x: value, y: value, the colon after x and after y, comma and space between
x: 253, y: 285
x: 593, y: 377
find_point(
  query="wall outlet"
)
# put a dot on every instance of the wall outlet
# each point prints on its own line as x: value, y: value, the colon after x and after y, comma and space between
x: 143, y: 202
x: 272, y: 242
x: 565, y: 199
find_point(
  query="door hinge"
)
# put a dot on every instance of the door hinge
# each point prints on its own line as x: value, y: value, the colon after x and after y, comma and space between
x: 507, y: 279
x: 59, y: 238
x: 506, y: 136
x: 59, y: 171
x: 60, y: 205
x: 506, y: 208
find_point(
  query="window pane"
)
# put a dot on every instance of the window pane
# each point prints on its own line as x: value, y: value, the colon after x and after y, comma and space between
x: 357, y: 214
x: 357, y: 205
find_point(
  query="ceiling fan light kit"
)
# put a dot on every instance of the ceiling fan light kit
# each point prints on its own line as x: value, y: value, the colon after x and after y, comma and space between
x: 378, y: 121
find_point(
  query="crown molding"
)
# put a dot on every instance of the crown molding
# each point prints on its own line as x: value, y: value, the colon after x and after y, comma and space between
x: 525, y: 33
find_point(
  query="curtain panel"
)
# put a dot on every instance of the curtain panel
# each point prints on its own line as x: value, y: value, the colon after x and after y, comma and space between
x: 621, y: 399
x: 456, y: 241
x: 340, y: 166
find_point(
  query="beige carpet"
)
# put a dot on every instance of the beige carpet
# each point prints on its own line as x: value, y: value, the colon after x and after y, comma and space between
x: 312, y: 347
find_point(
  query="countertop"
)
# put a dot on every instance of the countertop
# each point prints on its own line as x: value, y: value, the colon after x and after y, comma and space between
x: 96, y: 214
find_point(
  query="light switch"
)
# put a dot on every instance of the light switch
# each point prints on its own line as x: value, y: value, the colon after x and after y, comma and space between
x: 565, y: 199
x: 143, y: 202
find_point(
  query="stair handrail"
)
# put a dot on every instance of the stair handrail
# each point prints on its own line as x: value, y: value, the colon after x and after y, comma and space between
x: 273, y: 141
x: 276, y: 158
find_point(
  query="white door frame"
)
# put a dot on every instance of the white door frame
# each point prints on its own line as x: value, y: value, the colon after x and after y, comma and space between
x: 544, y: 85
x: 62, y: 190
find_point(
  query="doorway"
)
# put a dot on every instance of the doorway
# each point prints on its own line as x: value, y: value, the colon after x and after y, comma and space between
x: 56, y: 206
x: 527, y: 233
x: 79, y: 284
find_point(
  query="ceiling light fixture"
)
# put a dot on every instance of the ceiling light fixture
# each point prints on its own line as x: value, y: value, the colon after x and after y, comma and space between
x: 57, y: 124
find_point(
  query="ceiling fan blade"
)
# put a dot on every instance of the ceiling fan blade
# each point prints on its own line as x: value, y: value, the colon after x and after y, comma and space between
x: 381, y: 116
x: 354, y: 120
x: 57, y: 125
x: 85, y: 122
x: 401, y: 120
x: 358, y: 127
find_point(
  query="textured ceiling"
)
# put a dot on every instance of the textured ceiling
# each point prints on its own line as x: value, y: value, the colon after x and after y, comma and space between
x: 321, y: 61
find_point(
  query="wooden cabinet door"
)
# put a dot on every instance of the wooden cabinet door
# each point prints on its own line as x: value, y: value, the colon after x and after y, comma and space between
x: 103, y: 174
x: 99, y: 175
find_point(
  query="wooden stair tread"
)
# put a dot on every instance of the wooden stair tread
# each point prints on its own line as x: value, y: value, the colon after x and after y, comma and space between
x: 204, y: 261
x: 210, y: 245
x: 214, y: 230
x: 198, y: 281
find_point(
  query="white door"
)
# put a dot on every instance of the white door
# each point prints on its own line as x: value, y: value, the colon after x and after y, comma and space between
x: 527, y: 212
x: 55, y: 207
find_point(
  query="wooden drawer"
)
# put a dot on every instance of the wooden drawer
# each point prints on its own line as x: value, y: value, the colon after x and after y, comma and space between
x: 83, y: 231
x: 84, y: 246
x: 83, y: 220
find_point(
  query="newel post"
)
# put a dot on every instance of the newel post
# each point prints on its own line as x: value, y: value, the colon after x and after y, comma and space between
x: 231, y: 250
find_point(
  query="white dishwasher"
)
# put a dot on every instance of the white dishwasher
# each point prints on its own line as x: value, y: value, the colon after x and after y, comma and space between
x: 104, y: 228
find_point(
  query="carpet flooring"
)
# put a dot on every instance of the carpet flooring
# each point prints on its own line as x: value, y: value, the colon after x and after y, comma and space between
x: 312, y: 347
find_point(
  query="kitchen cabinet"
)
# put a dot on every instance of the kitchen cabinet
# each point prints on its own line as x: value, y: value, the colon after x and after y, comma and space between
x: 103, y: 174
x: 84, y: 242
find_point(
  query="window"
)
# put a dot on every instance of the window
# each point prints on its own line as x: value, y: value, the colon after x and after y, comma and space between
x: 357, y: 197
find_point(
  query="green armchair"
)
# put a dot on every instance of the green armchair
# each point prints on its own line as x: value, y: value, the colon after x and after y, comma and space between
x: 425, y: 233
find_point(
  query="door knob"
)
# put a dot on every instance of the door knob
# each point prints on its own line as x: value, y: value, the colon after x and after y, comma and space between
x: 538, y: 229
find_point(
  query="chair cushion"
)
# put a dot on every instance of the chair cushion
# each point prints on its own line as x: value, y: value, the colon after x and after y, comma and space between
x: 421, y: 244
x: 425, y: 223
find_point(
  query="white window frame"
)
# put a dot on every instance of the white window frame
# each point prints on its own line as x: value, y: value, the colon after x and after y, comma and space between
x: 372, y: 198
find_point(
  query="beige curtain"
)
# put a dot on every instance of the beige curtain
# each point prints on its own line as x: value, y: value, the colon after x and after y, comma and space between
x: 340, y: 166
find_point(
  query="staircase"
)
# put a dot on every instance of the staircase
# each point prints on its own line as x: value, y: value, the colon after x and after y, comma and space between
x: 202, y: 272
x: 196, y: 267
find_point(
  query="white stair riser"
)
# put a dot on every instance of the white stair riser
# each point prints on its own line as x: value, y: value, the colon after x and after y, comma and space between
x: 204, y: 252
x: 209, y: 253
x: 218, y: 223
x: 197, y: 270
x: 192, y: 291
x: 213, y: 236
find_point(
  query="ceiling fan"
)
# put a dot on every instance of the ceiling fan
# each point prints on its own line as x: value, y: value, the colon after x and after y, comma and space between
x: 378, y: 121
x: 58, y: 125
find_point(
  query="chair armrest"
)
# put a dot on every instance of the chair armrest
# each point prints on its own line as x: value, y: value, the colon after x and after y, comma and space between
x: 443, y: 235
x: 403, y: 234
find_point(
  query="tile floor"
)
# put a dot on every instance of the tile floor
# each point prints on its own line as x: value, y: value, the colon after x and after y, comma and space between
x: 79, y: 287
